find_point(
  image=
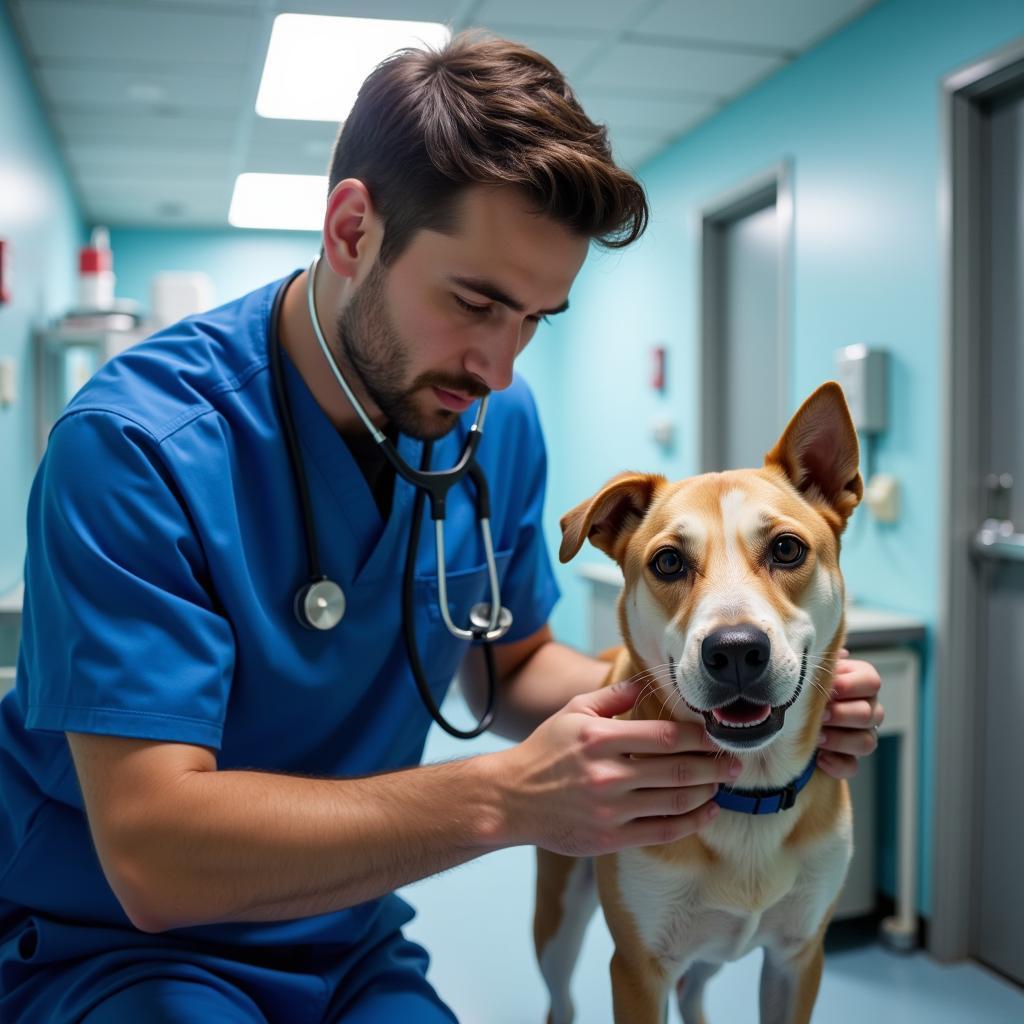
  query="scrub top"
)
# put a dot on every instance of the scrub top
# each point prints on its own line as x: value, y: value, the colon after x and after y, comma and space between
x: 164, y: 551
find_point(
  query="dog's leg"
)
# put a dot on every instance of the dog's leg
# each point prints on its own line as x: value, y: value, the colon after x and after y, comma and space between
x: 690, y: 991
x: 639, y: 992
x: 566, y: 899
x: 789, y: 983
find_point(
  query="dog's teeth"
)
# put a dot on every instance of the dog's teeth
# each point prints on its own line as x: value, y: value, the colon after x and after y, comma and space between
x: 742, y: 725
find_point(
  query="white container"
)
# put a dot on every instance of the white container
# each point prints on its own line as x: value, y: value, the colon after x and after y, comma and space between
x: 176, y: 294
x: 96, y: 273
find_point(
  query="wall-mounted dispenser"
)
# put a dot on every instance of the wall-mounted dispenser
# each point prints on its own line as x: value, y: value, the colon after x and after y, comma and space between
x: 863, y: 374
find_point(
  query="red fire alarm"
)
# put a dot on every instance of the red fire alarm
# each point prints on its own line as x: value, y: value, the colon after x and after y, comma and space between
x: 5, y: 272
x: 658, y: 368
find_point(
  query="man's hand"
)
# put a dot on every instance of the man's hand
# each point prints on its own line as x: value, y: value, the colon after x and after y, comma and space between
x: 851, y: 719
x: 573, y: 787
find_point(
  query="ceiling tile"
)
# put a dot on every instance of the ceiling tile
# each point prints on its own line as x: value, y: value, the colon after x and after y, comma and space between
x: 405, y: 10
x: 143, y: 212
x: 94, y: 126
x: 785, y: 24
x: 400, y: 10
x: 307, y: 142
x: 566, y: 51
x: 133, y: 167
x: 632, y: 151
x: 601, y: 16
x: 140, y: 90
x: 135, y: 36
x: 636, y: 65
x: 153, y: 154
x: 650, y: 113
x: 160, y: 193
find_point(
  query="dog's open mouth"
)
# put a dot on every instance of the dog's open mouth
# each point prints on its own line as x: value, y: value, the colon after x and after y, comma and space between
x: 744, y: 723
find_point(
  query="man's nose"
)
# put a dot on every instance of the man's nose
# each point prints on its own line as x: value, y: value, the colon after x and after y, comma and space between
x: 493, y: 361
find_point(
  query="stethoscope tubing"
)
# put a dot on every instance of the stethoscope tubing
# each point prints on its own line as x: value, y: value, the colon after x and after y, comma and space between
x: 320, y: 603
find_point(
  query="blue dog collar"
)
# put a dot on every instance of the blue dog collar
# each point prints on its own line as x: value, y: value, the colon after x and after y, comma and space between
x: 765, y: 801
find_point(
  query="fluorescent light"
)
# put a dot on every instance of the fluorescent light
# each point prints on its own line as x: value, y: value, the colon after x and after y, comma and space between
x: 295, y: 202
x: 315, y: 64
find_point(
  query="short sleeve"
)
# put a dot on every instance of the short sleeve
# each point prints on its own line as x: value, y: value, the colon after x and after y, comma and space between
x: 120, y: 633
x: 528, y: 588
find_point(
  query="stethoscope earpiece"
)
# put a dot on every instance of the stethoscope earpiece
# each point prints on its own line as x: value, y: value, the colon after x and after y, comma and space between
x: 320, y: 604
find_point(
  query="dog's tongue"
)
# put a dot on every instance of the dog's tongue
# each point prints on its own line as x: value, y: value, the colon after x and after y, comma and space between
x: 742, y: 712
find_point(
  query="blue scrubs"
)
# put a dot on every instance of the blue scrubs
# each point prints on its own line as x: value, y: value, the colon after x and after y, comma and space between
x: 164, y: 551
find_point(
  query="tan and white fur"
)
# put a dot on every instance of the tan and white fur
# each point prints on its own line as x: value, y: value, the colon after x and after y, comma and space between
x: 678, y: 911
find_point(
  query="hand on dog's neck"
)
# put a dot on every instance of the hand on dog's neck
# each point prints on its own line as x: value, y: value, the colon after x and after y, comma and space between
x: 788, y: 753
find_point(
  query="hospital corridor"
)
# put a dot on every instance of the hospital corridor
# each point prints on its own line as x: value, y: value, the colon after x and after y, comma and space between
x: 512, y: 511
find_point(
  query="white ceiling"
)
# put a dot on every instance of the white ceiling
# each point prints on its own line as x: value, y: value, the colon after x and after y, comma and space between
x: 153, y: 101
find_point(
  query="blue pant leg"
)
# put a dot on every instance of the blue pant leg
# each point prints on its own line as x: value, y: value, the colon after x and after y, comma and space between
x: 166, y: 1000
x: 389, y: 985
x: 409, y: 1007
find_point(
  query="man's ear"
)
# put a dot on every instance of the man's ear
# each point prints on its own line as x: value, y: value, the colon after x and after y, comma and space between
x: 353, y: 230
x: 820, y: 454
x: 609, y: 518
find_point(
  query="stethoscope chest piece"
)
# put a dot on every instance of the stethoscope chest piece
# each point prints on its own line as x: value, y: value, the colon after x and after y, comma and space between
x: 320, y: 605
x: 480, y: 619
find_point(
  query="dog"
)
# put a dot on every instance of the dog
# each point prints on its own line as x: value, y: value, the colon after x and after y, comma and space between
x: 733, y: 609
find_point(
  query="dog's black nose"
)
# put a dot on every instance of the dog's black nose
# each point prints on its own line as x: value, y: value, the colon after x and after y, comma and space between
x: 736, y: 655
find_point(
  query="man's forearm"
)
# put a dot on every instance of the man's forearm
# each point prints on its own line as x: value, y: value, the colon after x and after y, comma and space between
x: 545, y: 683
x: 248, y: 846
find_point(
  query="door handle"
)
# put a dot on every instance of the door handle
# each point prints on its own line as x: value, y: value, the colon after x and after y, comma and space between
x: 997, y: 539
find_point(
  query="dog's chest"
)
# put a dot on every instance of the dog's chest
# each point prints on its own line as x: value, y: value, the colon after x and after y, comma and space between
x: 760, y: 896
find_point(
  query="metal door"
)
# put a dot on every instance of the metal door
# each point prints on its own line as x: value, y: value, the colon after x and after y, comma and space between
x: 746, y: 255
x: 749, y: 405
x: 998, y: 924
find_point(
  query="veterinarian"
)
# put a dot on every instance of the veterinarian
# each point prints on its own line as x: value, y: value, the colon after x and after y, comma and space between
x: 208, y: 799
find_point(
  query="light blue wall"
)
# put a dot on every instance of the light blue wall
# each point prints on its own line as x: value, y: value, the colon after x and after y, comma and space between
x: 237, y: 259
x: 859, y: 119
x: 40, y: 219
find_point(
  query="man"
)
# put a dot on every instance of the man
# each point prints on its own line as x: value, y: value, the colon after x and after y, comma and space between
x: 243, y: 855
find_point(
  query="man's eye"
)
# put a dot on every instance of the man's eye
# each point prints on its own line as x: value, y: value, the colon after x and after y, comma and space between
x: 470, y: 308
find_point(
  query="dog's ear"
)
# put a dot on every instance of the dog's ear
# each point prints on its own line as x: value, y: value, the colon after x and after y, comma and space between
x: 610, y: 516
x: 819, y: 452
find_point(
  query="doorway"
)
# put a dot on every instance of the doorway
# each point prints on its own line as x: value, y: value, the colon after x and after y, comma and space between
x: 979, y: 832
x: 746, y: 256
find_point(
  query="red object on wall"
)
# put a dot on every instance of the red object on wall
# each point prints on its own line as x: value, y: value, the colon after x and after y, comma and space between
x: 5, y: 272
x: 658, y: 368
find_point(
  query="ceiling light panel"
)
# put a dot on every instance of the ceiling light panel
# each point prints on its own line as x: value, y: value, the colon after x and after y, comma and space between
x: 292, y: 202
x: 315, y: 64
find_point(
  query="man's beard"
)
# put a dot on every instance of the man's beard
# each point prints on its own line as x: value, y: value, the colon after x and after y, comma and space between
x: 372, y: 347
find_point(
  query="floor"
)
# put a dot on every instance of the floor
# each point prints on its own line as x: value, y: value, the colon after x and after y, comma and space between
x: 476, y: 921
x: 868, y: 983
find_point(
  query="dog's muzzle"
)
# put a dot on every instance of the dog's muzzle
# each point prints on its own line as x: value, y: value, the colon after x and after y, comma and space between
x: 742, y: 711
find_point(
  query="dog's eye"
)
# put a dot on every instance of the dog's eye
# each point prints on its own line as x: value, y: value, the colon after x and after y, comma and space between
x: 788, y: 550
x: 668, y: 564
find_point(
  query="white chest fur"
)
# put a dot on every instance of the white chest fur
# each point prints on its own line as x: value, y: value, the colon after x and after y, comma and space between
x: 760, y: 893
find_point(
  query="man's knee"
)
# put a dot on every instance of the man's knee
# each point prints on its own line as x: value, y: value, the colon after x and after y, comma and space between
x: 175, y: 1001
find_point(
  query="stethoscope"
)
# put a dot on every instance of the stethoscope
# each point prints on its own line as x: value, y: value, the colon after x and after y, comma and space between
x: 320, y: 602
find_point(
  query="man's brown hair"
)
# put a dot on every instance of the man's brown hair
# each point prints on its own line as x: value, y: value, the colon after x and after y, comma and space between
x: 429, y: 123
